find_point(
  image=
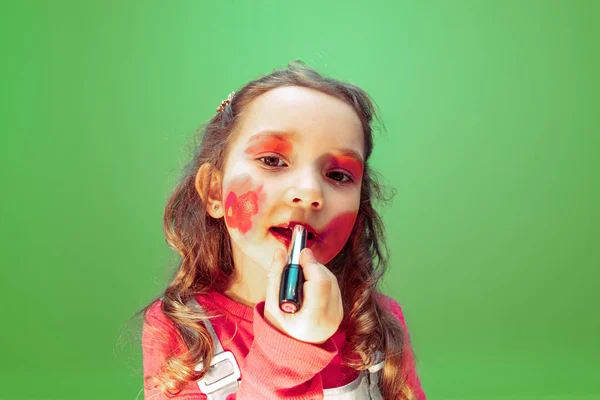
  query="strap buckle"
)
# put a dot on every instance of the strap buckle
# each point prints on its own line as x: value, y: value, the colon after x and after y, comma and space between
x: 223, y: 371
x: 376, y: 367
x: 379, y: 362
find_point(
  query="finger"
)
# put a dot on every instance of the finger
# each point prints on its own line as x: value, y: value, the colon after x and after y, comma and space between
x: 313, y: 270
x: 319, y: 282
x: 274, y: 278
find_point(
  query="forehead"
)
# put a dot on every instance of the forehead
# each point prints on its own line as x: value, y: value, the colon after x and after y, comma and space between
x: 315, y: 118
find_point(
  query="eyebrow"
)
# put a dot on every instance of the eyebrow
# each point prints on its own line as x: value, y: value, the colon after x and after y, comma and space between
x: 291, y: 135
x: 265, y: 134
x: 349, y: 153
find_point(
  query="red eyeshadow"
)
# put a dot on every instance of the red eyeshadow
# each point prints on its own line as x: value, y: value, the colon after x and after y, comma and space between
x: 270, y: 143
x: 348, y: 163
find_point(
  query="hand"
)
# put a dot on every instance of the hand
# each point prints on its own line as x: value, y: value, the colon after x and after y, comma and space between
x: 322, y: 311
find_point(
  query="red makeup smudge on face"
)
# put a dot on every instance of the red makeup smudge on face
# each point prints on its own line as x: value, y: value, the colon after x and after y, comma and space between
x: 239, y: 210
x: 349, y: 163
x: 264, y: 143
x: 335, y: 235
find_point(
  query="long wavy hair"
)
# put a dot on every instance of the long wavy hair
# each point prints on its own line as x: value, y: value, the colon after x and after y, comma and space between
x: 206, y: 261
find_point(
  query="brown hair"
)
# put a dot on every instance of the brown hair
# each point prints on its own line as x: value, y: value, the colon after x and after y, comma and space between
x: 206, y: 260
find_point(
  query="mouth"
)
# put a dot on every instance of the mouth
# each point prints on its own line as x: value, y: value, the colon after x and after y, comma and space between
x: 283, y: 233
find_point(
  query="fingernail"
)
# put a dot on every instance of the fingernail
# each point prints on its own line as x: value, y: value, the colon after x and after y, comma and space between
x: 309, y: 254
x: 276, y: 255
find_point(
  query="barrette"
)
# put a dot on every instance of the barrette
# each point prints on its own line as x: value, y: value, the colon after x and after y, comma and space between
x: 225, y: 102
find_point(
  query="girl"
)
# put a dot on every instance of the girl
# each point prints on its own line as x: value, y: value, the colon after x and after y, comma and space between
x: 289, y: 148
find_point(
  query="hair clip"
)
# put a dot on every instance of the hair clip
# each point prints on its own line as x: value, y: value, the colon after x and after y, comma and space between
x: 225, y: 102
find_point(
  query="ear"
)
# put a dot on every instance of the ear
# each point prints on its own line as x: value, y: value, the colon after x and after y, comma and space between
x: 208, y: 186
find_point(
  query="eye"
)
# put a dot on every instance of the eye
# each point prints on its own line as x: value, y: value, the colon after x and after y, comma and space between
x: 340, y: 176
x: 272, y: 161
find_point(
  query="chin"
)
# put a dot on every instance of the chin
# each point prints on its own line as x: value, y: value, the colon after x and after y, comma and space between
x: 265, y: 259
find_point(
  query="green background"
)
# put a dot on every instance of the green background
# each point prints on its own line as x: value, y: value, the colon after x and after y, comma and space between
x: 491, y: 110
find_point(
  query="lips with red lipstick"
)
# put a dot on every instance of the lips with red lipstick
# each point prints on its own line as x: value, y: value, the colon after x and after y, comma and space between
x: 283, y: 233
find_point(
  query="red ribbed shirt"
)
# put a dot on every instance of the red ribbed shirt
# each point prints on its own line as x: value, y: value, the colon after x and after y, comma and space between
x: 273, y: 365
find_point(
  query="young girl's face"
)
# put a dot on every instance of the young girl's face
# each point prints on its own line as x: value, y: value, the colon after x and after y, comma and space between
x: 297, y: 158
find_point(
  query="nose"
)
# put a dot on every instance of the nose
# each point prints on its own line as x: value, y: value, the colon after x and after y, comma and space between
x: 305, y: 191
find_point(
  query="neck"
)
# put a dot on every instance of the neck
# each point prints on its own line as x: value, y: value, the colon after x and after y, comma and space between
x: 248, y: 285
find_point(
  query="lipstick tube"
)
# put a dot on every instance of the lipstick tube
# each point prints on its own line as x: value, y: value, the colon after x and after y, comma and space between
x: 292, y: 278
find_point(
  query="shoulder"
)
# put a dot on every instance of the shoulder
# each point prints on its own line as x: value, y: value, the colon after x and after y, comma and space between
x: 155, y: 315
x: 156, y: 323
x: 159, y: 329
x: 392, y: 306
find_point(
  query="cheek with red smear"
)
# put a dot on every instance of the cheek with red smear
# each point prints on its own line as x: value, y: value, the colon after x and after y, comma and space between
x: 242, y: 203
x: 335, y: 235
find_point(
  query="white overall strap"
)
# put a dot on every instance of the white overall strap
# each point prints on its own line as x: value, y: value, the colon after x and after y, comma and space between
x: 364, y: 387
x: 374, y: 372
x: 222, y: 378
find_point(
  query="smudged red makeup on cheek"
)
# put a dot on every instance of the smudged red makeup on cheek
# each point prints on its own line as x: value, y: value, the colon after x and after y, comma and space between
x: 242, y: 203
x: 335, y: 235
x: 239, y: 210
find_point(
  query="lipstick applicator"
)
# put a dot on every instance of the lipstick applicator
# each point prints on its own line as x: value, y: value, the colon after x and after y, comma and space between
x: 292, y: 278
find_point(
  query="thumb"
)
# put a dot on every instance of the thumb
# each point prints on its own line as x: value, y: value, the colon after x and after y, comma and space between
x: 274, y: 278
